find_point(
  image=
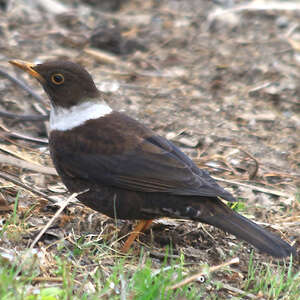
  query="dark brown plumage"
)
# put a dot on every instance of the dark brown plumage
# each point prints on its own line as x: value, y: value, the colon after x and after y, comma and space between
x: 131, y: 172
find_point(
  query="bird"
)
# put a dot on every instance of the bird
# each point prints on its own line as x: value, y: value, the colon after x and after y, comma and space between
x: 125, y: 170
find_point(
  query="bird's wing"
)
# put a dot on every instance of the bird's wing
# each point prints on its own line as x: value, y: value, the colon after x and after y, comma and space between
x: 152, y: 164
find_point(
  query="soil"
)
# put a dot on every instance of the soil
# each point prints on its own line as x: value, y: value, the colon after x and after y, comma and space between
x: 217, y: 78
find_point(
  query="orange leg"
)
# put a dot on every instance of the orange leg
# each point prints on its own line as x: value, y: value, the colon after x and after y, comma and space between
x: 142, y: 226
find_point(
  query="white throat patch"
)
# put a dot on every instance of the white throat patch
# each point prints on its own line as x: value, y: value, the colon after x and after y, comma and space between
x: 68, y: 118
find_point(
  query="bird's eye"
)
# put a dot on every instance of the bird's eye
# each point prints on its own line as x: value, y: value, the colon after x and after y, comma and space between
x: 57, y: 78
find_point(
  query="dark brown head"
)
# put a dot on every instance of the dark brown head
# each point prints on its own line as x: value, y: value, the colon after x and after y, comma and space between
x: 65, y: 82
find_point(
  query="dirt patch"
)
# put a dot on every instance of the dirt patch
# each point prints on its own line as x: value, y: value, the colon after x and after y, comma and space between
x: 221, y: 84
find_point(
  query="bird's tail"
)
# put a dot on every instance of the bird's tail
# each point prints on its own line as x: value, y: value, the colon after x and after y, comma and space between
x: 223, y: 217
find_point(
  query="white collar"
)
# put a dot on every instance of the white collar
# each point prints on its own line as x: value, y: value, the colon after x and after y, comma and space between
x: 68, y: 118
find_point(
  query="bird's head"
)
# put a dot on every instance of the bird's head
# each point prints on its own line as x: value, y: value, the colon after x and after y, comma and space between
x: 66, y: 83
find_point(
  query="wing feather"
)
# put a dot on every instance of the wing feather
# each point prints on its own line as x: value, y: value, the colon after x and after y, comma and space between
x: 149, y: 163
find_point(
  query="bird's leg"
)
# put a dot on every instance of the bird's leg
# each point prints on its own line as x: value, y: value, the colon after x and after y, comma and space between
x: 142, y: 226
x: 147, y: 225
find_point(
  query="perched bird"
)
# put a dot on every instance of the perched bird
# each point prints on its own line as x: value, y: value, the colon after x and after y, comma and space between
x: 131, y: 172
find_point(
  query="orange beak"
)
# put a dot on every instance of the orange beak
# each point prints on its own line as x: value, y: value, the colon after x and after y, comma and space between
x: 28, y: 67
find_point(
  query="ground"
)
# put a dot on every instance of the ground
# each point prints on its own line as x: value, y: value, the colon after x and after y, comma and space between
x: 218, y: 78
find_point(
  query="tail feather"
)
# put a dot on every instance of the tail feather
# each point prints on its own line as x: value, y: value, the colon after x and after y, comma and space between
x: 252, y: 233
x: 221, y: 216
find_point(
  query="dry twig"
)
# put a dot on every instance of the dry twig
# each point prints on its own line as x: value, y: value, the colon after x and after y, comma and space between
x: 62, y: 207
x: 240, y: 292
x: 194, y: 277
x: 31, y: 118
x: 47, y: 279
x: 10, y: 178
x: 6, y: 159
x: 256, y: 6
x: 26, y: 137
x: 22, y: 85
x: 255, y: 188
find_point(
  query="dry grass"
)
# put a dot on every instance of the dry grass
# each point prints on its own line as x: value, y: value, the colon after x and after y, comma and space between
x: 224, y: 89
